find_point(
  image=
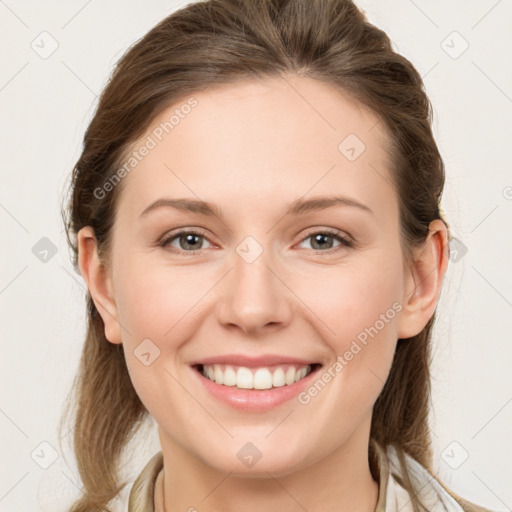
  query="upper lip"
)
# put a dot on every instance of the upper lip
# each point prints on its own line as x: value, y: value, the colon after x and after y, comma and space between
x: 252, y: 361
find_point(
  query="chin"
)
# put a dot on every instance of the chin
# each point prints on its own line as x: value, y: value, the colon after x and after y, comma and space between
x: 246, y: 459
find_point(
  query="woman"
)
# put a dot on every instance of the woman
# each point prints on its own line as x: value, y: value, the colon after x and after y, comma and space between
x: 256, y: 215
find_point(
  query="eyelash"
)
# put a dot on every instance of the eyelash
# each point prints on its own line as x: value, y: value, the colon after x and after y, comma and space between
x: 345, y: 242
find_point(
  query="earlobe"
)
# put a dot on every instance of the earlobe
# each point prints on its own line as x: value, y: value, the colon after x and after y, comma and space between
x: 98, y: 282
x: 424, y: 280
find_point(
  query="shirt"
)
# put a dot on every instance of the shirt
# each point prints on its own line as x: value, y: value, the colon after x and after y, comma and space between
x: 392, y: 495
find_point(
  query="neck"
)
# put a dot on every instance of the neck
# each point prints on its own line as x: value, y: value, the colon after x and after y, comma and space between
x: 340, y: 482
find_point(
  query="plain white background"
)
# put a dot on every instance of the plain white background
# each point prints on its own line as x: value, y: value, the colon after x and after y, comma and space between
x: 46, y: 104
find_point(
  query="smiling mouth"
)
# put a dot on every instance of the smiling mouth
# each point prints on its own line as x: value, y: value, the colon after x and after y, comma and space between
x: 267, y: 377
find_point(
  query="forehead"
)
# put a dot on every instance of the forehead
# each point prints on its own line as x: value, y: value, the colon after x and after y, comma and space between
x: 277, y: 138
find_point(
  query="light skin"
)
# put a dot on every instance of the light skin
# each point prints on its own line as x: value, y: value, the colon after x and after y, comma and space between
x: 252, y: 148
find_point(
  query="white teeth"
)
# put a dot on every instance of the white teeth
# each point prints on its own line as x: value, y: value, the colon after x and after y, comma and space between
x: 259, y: 378
x: 278, y: 378
x: 262, y: 379
x: 229, y: 376
x: 219, y: 376
x: 244, y: 378
x: 289, y: 378
x: 300, y: 374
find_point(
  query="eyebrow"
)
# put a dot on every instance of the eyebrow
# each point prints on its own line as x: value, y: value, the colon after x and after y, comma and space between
x: 297, y: 207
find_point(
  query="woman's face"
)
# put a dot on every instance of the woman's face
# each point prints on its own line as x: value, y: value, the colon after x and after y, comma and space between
x: 262, y: 287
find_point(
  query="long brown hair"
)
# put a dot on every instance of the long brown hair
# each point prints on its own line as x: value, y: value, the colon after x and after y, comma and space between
x: 216, y: 42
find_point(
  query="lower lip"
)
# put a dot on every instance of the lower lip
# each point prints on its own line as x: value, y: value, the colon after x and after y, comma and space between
x: 256, y: 400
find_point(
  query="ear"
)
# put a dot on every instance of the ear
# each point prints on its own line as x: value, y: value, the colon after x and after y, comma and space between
x: 423, y: 281
x: 99, y: 283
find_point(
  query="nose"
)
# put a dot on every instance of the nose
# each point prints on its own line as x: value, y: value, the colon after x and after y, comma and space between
x: 254, y: 297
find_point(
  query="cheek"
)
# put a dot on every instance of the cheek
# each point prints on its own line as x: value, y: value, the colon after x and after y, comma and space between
x: 358, y: 309
x: 354, y: 301
x: 155, y: 301
x: 155, y: 305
